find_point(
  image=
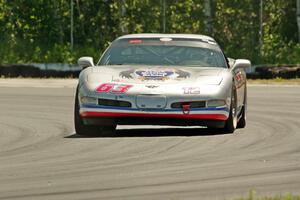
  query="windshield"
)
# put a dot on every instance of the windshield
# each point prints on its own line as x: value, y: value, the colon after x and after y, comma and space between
x: 165, y: 51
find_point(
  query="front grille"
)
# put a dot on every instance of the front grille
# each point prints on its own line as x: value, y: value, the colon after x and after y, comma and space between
x: 111, y: 102
x: 193, y: 104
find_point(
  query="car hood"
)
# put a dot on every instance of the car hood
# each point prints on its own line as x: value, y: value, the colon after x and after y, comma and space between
x: 154, y: 74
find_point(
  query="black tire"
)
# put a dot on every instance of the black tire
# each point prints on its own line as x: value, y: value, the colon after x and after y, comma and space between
x: 88, y: 130
x: 242, y: 121
x: 231, y: 122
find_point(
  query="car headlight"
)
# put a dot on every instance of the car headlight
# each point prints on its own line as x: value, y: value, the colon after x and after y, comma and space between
x: 216, y: 103
x: 88, y: 100
x: 209, y: 80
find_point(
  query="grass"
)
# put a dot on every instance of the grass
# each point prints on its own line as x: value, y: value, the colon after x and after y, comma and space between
x: 252, y: 196
x: 275, y: 81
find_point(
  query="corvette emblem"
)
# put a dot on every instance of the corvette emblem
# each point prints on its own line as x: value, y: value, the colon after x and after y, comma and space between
x: 151, y: 86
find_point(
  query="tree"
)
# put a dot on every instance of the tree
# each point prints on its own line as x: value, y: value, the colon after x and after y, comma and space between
x: 39, y: 30
x: 207, y: 13
x: 298, y: 19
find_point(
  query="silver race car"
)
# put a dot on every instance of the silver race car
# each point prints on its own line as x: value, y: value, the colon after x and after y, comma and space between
x: 161, y: 79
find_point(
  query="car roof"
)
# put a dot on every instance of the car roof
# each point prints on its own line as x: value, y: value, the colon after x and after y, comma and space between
x: 160, y: 35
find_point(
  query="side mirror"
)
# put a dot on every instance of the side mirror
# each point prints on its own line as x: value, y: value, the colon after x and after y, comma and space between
x: 231, y: 62
x: 85, y: 62
x: 241, y: 63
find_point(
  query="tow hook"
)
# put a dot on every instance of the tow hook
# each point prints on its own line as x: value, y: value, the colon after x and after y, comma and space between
x: 186, y: 108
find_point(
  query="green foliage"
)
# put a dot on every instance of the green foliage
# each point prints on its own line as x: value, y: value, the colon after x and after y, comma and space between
x: 236, y: 26
x: 280, y: 33
x: 39, y: 30
x: 185, y: 17
x: 252, y: 195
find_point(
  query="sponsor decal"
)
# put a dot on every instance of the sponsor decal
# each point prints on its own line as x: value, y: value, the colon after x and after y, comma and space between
x: 113, y: 88
x: 191, y: 90
x: 154, y: 74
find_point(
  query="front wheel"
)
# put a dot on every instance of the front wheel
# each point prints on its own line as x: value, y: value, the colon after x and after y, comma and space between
x: 231, y: 122
x: 89, y: 130
x: 242, y: 122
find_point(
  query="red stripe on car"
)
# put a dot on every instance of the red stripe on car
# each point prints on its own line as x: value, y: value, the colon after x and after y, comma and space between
x: 183, y: 116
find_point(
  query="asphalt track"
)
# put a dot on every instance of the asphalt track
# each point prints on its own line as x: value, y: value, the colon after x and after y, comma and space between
x: 42, y: 158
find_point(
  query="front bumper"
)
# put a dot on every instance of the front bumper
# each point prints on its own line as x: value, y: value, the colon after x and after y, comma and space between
x: 94, y: 114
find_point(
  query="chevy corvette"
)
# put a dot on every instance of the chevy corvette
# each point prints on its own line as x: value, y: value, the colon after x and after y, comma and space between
x: 161, y: 79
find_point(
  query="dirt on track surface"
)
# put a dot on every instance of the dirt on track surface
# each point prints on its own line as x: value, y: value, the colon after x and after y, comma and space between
x: 42, y: 158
